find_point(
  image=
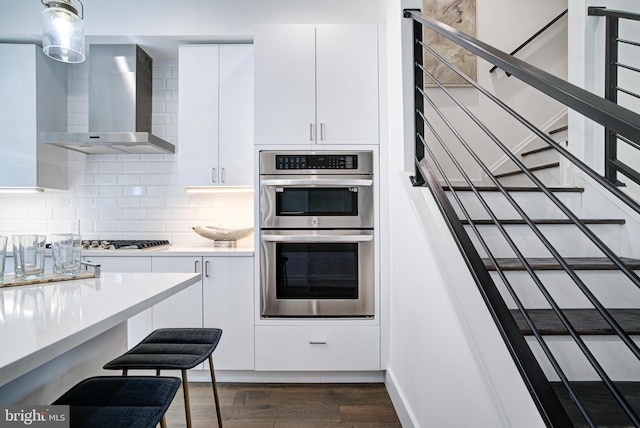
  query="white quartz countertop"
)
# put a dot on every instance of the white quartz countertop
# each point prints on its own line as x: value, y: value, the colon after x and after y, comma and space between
x: 41, y: 322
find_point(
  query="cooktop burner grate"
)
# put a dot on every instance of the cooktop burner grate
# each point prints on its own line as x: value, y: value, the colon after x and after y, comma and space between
x: 124, y: 244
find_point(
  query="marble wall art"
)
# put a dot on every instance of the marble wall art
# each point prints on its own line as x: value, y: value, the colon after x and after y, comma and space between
x: 461, y: 15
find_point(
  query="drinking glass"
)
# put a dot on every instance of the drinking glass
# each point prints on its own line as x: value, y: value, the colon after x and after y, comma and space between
x: 28, y: 256
x: 66, y: 249
x: 3, y: 253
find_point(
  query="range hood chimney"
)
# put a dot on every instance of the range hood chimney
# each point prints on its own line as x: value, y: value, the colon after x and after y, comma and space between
x: 120, y: 78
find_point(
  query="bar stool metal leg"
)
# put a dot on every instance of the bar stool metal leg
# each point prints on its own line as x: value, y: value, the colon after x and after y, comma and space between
x: 187, y: 403
x: 215, y: 391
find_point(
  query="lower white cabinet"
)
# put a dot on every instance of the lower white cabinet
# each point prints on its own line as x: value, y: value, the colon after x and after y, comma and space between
x: 140, y: 325
x: 183, y: 309
x: 317, y: 348
x: 227, y: 300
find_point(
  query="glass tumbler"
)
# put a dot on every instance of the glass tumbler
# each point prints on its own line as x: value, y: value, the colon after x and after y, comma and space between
x: 66, y: 249
x: 3, y: 254
x: 28, y: 256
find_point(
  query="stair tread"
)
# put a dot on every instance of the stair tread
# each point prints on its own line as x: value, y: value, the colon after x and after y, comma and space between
x: 549, y: 263
x: 558, y: 130
x: 534, y: 151
x: 532, y: 168
x: 547, y: 221
x: 517, y: 189
x: 584, y: 321
x: 599, y: 402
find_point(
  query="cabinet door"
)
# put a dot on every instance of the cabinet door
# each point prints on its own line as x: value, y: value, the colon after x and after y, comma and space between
x: 285, y: 84
x: 183, y: 309
x: 140, y: 325
x: 347, y: 84
x: 198, y: 115
x: 235, y: 150
x: 228, y: 304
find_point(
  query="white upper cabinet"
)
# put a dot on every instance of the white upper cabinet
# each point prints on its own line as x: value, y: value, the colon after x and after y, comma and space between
x: 316, y: 84
x: 215, y: 144
x: 34, y: 95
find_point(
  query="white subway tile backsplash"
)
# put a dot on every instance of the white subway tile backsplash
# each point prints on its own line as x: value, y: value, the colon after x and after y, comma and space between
x: 105, y: 226
x: 129, y: 179
x: 125, y: 196
x: 106, y: 191
x: 129, y: 202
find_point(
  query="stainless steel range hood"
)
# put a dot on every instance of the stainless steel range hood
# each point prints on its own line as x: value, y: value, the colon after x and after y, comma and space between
x: 120, y: 78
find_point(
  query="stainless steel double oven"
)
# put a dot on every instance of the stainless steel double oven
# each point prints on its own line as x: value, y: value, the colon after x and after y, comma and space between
x: 316, y: 234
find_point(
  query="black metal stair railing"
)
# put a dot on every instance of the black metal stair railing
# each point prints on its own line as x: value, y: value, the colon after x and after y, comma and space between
x: 612, y: 88
x: 443, y: 153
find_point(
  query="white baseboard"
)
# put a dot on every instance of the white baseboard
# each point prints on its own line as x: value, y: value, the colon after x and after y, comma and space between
x: 249, y: 376
x: 397, y: 398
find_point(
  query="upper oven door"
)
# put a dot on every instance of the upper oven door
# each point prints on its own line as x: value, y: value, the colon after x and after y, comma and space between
x: 329, y: 201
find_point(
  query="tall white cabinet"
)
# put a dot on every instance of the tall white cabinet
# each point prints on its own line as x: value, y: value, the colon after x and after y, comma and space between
x: 316, y: 84
x: 33, y: 88
x: 215, y: 136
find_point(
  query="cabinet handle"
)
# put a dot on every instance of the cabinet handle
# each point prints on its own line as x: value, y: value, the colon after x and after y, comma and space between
x: 311, y: 132
x: 321, y: 131
x: 195, y: 266
x: 318, y: 342
x: 213, y: 175
x: 222, y: 175
x: 206, y: 269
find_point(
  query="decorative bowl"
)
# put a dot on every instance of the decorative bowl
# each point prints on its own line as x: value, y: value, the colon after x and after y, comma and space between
x: 222, y: 237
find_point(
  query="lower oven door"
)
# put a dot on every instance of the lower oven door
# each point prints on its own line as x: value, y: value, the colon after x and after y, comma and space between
x: 317, y: 273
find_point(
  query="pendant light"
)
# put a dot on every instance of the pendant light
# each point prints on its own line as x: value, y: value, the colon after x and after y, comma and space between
x: 63, y: 31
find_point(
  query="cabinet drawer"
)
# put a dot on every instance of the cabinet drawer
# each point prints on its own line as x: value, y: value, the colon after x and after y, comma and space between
x: 321, y: 348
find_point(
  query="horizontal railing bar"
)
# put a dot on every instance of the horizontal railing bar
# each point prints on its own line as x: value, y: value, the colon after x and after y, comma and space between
x: 604, y: 112
x: 601, y: 11
x: 549, y: 394
x: 584, y: 229
x: 556, y: 308
x: 628, y: 67
x: 568, y: 155
x: 628, y: 42
x: 628, y: 141
x: 633, y: 94
x: 625, y: 169
x: 534, y: 36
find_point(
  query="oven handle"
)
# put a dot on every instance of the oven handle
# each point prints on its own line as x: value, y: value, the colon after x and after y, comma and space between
x: 317, y: 238
x: 317, y: 182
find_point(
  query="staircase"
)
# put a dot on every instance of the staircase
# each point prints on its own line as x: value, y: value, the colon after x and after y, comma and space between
x: 616, y: 293
x: 561, y: 284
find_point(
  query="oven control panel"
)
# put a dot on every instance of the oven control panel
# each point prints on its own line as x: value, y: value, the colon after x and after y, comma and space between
x: 298, y: 162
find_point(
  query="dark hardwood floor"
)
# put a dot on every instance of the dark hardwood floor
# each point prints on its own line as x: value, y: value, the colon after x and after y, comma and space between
x: 250, y: 405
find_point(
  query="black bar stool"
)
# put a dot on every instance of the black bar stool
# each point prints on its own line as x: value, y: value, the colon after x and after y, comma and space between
x: 116, y: 401
x: 173, y: 349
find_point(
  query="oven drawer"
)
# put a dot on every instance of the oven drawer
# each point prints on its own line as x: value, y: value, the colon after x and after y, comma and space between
x: 317, y: 348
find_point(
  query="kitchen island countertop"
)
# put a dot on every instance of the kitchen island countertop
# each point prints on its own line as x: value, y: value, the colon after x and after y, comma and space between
x: 40, y: 322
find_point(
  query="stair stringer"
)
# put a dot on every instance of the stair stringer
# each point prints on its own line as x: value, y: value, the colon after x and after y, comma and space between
x: 504, y: 164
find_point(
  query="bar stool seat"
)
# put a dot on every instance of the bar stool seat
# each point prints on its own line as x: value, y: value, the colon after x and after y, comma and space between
x: 173, y: 349
x: 115, y: 401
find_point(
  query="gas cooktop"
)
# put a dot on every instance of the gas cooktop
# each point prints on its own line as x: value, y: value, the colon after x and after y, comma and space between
x: 124, y: 244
